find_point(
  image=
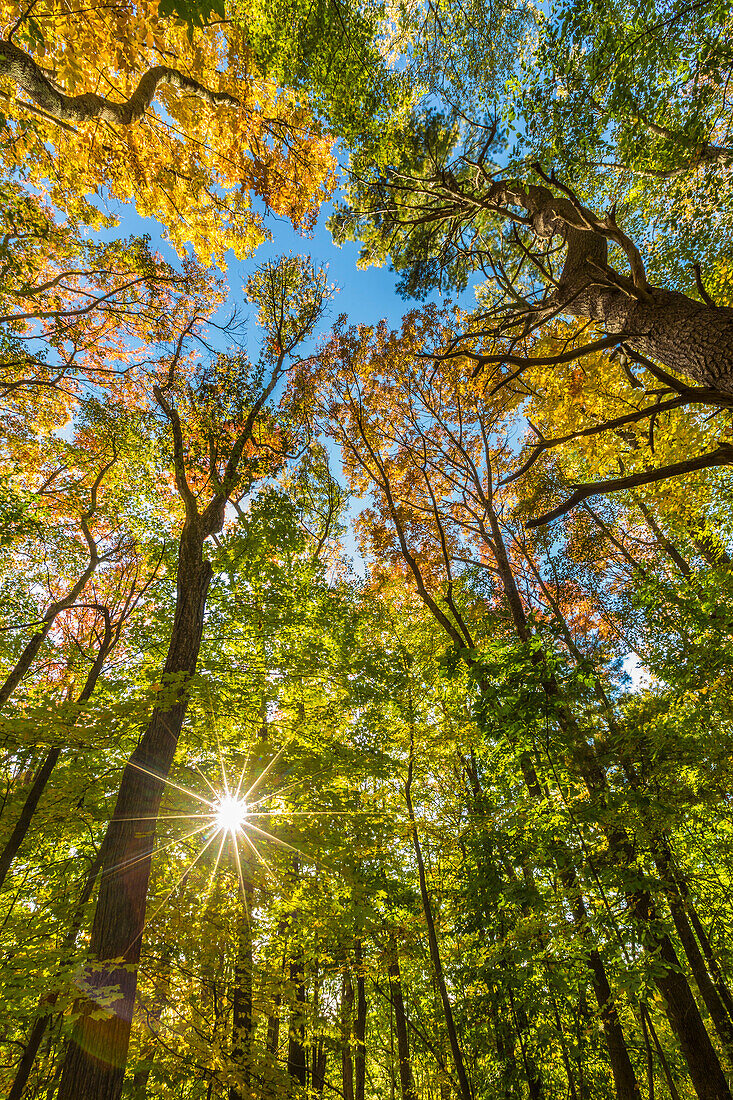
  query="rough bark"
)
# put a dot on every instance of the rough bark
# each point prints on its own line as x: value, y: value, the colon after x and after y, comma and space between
x: 689, y: 337
x: 23, y: 70
x: 97, y: 1052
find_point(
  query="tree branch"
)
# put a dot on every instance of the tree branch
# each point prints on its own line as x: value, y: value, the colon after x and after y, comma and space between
x: 722, y: 456
x: 20, y: 67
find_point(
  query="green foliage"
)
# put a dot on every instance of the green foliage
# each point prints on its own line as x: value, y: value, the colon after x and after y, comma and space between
x: 330, y: 51
x: 447, y: 747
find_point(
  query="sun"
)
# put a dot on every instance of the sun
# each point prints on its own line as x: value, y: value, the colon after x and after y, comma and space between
x: 230, y: 813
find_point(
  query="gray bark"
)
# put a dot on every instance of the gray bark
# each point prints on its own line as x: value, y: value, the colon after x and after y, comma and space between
x: 689, y: 337
x: 21, y: 68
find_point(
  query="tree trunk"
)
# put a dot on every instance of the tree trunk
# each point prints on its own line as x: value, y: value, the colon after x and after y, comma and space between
x: 704, y: 982
x: 687, y: 336
x: 678, y: 904
x: 297, y: 1062
x: 435, y: 958
x: 347, y: 1015
x: 572, y: 1091
x: 318, y: 1046
x: 273, y: 1021
x: 624, y: 1075
x: 704, y: 1066
x: 680, y: 885
x: 674, y: 1094
x: 359, y: 1025
x: 242, y: 1023
x: 318, y: 1078
x: 398, y: 1004
x: 96, y: 1055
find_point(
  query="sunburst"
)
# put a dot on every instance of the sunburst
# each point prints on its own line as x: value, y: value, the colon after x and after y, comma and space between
x: 233, y: 816
x: 226, y: 813
x: 231, y: 813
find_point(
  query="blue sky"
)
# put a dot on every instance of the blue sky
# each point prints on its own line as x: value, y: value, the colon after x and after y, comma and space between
x: 366, y: 296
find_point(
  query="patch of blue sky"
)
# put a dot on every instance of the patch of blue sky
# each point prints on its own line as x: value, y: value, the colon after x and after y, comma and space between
x: 366, y: 296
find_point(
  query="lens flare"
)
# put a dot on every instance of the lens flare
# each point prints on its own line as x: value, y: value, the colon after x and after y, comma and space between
x: 230, y: 813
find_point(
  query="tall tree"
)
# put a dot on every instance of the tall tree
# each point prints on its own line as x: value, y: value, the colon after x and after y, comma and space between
x: 219, y: 447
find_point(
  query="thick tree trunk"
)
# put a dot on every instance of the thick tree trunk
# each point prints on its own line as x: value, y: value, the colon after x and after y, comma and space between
x: 97, y: 1052
x: 689, y: 337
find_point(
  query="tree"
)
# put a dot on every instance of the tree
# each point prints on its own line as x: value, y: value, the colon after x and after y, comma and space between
x: 447, y: 208
x: 140, y: 110
x: 222, y: 453
x: 432, y: 462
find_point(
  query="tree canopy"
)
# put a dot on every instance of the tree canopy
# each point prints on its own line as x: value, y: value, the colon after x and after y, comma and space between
x: 365, y: 689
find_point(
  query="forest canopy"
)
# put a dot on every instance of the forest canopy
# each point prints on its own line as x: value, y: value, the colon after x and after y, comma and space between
x: 365, y: 685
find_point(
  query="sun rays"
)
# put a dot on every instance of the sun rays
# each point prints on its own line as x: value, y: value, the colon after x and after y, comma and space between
x: 230, y: 820
x: 230, y: 814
